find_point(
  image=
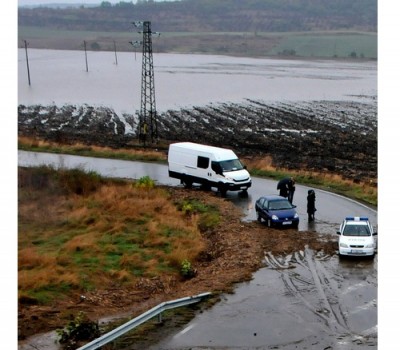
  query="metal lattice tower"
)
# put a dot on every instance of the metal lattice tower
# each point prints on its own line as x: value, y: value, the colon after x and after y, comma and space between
x: 148, y: 114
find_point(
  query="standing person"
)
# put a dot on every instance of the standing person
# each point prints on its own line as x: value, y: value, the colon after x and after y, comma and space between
x: 311, y: 205
x: 283, y: 187
x: 291, y: 189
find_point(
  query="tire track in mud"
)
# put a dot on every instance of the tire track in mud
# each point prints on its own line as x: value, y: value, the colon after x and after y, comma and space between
x: 306, y: 279
x: 335, y: 316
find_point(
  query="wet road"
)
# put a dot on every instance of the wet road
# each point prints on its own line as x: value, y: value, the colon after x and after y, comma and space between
x: 331, y: 208
x: 303, y: 301
x: 321, y: 303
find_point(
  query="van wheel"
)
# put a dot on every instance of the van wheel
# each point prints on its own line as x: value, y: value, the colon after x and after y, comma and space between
x: 243, y: 194
x: 187, y: 183
x: 206, y: 187
x: 222, y: 190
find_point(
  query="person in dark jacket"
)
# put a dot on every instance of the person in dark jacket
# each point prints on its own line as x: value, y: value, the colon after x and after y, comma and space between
x: 311, y: 205
x: 291, y: 189
x: 283, y: 187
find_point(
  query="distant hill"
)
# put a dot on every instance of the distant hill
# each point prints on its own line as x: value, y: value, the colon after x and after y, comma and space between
x: 212, y: 16
x: 314, y: 28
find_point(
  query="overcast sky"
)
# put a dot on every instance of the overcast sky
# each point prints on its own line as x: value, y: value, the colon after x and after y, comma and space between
x: 39, y: 2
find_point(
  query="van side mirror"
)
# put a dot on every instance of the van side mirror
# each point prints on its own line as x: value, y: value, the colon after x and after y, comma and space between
x: 375, y: 233
x: 294, y: 206
x: 338, y: 232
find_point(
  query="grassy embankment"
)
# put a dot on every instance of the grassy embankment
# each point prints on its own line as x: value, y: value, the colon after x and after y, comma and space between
x: 364, y: 191
x: 79, y: 232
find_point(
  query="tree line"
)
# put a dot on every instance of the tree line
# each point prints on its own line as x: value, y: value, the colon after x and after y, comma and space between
x: 211, y: 16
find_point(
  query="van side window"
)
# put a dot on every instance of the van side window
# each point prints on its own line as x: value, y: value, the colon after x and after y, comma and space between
x: 216, y: 167
x: 202, y: 162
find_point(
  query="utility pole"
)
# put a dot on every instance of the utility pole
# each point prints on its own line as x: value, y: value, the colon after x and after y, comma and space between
x: 148, y: 113
x: 27, y: 62
x: 115, y: 51
x: 84, y: 44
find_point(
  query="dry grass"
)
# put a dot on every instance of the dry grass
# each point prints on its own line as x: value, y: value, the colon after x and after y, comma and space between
x: 135, y: 153
x: 365, y: 190
x: 115, y: 231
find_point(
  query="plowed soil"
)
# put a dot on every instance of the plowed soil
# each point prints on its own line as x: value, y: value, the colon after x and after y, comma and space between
x: 325, y: 136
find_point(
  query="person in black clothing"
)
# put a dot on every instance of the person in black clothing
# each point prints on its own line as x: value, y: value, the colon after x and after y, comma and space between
x: 283, y: 187
x: 311, y: 205
x: 291, y: 189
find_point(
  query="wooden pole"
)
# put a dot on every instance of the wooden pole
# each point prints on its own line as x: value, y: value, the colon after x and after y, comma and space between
x: 27, y: 62
x: 84, y: 44
x: 115, y: 51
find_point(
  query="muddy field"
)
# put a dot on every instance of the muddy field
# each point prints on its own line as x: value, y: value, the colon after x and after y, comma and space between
x: 327, y: 136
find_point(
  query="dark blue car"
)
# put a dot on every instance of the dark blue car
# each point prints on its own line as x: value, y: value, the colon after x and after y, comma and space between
x: 276, y: 211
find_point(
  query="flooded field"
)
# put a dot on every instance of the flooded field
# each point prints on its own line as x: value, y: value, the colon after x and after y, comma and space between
x: 313, y: 114
x: 60, y: 77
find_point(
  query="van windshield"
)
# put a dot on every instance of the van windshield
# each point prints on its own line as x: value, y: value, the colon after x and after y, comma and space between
x: 231, y: 165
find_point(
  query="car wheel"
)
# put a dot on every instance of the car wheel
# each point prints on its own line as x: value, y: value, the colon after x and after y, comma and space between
x: 269, y: 223
x: 259, y: 218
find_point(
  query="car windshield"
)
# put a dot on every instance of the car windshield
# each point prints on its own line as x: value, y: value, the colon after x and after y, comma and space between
x: 279, y: 205
x: 231, y: 165
x: 356, y: 230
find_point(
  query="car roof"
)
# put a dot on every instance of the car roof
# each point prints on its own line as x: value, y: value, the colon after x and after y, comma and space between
x: 273, y: 197
x: 356, y: 220
x: 360, y: 223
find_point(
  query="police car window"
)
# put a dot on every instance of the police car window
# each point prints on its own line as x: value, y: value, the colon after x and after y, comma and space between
x: 356, y: 230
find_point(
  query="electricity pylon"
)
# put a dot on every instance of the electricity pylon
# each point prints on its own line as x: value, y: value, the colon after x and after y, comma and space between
x: 148, y: 113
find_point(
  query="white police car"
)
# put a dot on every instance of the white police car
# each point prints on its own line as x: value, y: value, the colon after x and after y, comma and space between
x: 356, y: 237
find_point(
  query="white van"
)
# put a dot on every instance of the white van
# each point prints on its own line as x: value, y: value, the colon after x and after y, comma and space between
x: 207, y: 165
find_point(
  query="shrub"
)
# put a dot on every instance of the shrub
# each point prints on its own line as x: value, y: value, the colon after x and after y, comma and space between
x: 187, y: 270
x: 208, y: 221
x: 78, y: 329
x: 145, y: 182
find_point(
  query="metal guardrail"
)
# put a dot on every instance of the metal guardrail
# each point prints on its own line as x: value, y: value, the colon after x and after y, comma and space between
x: 128, y: 326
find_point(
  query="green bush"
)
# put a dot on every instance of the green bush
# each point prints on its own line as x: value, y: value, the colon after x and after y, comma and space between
x: 187, y: 270
x: 78, y: 329
x: 145, y: 182
x: 208, y: 221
